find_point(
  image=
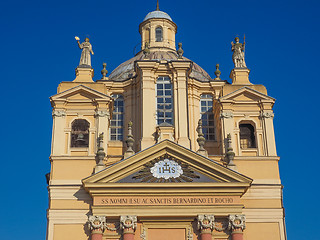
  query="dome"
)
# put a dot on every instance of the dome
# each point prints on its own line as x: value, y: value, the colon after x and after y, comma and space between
x: 157, y: 14
x: 126, y: 70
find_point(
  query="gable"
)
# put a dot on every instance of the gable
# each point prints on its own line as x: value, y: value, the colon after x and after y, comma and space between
x: 136, y: 173
x: 246, y: 94
x: 80, y: 92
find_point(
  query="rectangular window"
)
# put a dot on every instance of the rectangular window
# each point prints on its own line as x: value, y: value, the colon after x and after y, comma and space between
x: 207, y: 116
x: 116, y: 123
x: 164, y: 101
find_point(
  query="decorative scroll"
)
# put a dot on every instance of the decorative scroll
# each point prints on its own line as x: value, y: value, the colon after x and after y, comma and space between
x: 171, y: 170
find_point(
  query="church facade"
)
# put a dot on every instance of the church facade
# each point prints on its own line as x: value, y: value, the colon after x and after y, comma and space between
x: 161, y: 150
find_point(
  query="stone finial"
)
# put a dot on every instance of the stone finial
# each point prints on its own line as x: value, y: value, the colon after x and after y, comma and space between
x: 230, y: 154
x: 128, y: 222
x: 205, y: 223
x: 104, y: 72
x: 201, y: 140
x: 146, y: 49
x: 237, y: 222
x: 217, y: 73
x: 100, y: 154
x: 129, y: 142
x: 97, y: 223
x: 180, y: 51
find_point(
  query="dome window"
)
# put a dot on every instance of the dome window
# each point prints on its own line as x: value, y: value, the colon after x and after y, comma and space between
x: 80, y: 133
x: 159, y: 34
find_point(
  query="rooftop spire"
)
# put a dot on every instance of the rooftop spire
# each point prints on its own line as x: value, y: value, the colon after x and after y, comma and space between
x: 158, y: 6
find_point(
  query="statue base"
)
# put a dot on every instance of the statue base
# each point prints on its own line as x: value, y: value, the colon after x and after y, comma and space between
x: 84, y: 73
x: 240, y: 76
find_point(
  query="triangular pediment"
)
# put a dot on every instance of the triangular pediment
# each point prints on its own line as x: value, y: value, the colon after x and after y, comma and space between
x: 246, y: 94
x: 80, y: 92
x: 140, y: 171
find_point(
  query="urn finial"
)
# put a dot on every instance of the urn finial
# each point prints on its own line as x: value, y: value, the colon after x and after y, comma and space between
x: 104, y: 71
x: 217, y: 72
x: 180, y: 51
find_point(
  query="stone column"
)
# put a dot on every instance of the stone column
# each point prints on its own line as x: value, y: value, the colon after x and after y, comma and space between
x: 237, y: 224
x: 205, y: 225
x: 128, y: 225
x: 97, y: 226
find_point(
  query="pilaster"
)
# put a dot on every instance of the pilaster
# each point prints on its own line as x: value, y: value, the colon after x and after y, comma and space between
x: 181, y: 70
x: 58, y: 135
x: 267, y: 123
x: 148, y: 105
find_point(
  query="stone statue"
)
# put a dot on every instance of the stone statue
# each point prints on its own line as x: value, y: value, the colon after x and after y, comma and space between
x: 238, y: 53
x: 86, y: 50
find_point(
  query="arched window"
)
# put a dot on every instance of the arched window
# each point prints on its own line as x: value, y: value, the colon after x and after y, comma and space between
x: 116, y: 128
x: 159, y: 34
x: 207, y: 116
x: 80, y: 133
x: 164, y: 101
x: 247, y: 138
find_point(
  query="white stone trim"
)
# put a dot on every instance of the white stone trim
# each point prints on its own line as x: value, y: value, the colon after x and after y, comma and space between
x: 263, y: 192
x: 68, y: 193
x: 65, y: 217
x: 65, y: 182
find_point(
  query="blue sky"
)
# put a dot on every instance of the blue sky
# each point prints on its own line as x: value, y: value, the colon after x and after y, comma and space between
x: 39, y: 51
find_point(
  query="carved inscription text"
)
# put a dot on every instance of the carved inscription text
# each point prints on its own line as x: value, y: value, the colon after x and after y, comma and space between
x: 166, y: 201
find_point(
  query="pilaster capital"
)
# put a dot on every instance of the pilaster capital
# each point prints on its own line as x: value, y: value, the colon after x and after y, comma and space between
x: 205, y: 222
x: 97, y: 223
x: 128, y: 222
x: 237, y: 222
x: 102, y: 113
x: 58, y: 113
x: 226, y: 115
x: 268, y: 114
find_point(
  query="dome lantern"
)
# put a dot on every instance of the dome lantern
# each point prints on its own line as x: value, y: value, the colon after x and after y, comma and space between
x: 158, y: 30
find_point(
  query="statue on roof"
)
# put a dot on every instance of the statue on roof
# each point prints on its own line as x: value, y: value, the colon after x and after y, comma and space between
x: 86, y: 50
x: 238, y: 53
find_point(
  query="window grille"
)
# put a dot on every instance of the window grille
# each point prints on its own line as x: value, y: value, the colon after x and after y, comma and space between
x: 207, y: 116
x: 247, y: 138
x: 164, y: 101
x: 116, y: 123
x: 159, y: 35
x: 80, y: 133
